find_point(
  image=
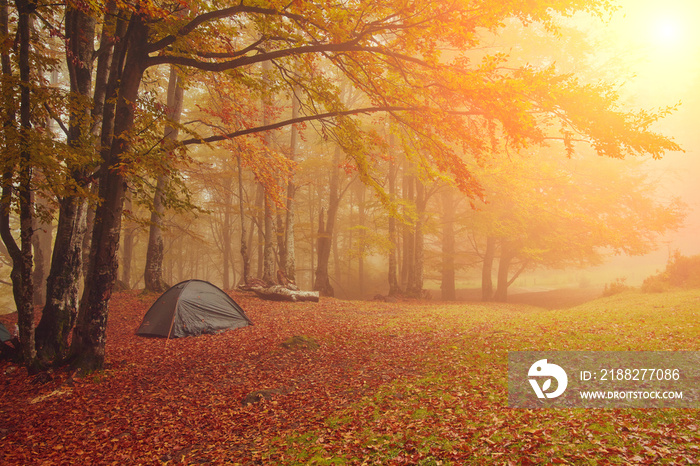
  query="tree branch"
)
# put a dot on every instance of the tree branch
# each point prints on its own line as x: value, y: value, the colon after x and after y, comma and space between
x: 214, y: 15
x: 316, y: 117
x: 56, y: 118
x: 291, y: 121
x: 517, y: 274
x: 350, y: 46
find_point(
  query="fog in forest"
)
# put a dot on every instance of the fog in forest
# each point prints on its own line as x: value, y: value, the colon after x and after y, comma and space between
x: 651, y: 58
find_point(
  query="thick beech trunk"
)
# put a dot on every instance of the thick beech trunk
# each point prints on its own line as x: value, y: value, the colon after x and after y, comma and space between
x: 89, y: 337
x: 21, y: 254
x: 60, y: 310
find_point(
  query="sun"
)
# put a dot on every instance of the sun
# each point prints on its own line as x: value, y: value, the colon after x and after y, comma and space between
x: 661, y: 28
x: 657, y: 42
x: 667, y: 32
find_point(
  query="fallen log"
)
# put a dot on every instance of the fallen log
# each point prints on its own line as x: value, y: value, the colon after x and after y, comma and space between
x: 281, y: 293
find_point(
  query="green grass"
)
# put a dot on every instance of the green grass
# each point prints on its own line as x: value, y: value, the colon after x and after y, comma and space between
x: 456, y: 411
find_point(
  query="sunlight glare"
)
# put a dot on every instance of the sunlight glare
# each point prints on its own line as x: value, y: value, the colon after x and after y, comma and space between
x: 667, y: 32
x: 660, y: 43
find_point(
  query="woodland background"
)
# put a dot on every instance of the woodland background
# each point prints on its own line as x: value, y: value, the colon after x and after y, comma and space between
x: 359, y: 149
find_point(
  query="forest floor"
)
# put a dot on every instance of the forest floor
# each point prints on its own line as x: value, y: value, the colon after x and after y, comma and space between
x: 391, y: 383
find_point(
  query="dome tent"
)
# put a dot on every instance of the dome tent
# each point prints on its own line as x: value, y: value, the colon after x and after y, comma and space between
x: 4, y: 333
x: 192, y: 307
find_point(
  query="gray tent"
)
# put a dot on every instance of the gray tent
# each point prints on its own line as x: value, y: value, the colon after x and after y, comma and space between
x: 192, y: 307
x: 4, y: 333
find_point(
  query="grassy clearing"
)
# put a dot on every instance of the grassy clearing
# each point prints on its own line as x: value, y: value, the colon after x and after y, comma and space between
x: 456, y: 413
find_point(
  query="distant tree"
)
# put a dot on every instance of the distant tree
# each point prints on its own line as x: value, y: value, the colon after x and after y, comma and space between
x: 326, y: 228
x: 153, y: 273
x: 447, y: 269
x: 547, y: 211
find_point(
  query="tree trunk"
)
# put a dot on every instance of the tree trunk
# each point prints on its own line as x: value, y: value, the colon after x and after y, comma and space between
x: 487, y: 268
x: 60, y: 310
x: 322, y: 283
x: 89, y: 223
x: 268, y: 275
x: 109, y: 63
x: 394, y: 288
x: 289, y: 264
x: 335, y: 256
x: 128, y: 245
x: 63, y: 283
x: 41, y: 242
x: 312, y: 249
x: 447, y: 285
x: 259, y: 224
x: 408, y: 236
x: 23, y: 287
x: 362, y: 238
x: 89, y: 337
x: 281, y: 293
x: 227, y: 226
x: 43, y: 229
x: 415, y: 285
x: 244, y: 245
x: 268, y: 272
x: 104, y: 64
x: 508, y: 253
x: 280, y: 233
x: 153, y: 273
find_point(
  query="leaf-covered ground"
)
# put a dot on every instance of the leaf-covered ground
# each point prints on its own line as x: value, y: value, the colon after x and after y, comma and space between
x: 391, y: 383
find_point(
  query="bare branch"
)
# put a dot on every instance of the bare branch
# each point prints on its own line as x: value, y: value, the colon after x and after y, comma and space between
x: 291, y: 121
x: 350, y: 46
x: 56, y: 118
x: 214, y: 15
x: 302, y: 119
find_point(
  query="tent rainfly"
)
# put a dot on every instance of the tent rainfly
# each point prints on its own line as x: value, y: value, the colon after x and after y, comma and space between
x: 4, y: 333
x: 192, y: 307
